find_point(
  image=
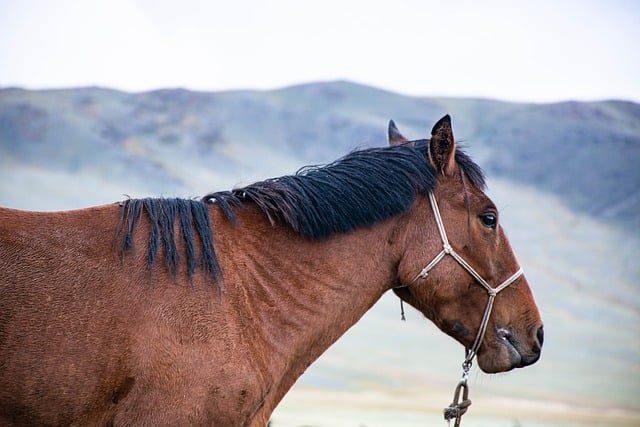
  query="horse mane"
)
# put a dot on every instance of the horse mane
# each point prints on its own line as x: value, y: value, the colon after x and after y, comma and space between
x: 358, y: 190
x: 162, y: 214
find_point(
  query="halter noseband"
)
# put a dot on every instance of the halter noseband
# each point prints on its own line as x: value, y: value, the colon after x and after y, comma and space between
x: 458, y: 408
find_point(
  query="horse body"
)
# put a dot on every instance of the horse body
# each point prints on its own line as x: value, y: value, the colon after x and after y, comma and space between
x: 85, y: 330
x: 89, y: 336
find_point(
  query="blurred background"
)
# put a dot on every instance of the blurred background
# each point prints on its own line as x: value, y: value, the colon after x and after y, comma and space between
x: 99, y: 100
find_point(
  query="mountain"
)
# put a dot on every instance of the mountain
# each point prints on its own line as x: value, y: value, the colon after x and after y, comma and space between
x: 586, y: 153
x: 565, y: 175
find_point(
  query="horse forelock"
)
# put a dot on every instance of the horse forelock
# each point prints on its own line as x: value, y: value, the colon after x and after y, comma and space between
x: 470, y: 170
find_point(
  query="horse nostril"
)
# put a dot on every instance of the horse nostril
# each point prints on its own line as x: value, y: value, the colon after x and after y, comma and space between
x: 540, y: 336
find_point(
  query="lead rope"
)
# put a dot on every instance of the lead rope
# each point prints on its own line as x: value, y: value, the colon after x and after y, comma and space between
x: 458, y: 407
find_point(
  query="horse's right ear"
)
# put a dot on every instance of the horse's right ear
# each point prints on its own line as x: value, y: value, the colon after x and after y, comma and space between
x: 442, y: 147
x: 394, y: 136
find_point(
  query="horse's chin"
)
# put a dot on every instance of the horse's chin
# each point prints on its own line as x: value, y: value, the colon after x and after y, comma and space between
x: 501, y: 357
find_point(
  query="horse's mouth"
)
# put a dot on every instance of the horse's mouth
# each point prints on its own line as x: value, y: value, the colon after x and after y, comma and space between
x: 507, y: 352
x: 519, y: 355
x: 505, y: 337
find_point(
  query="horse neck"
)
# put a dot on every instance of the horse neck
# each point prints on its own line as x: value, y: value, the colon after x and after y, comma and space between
x: 298, y: 295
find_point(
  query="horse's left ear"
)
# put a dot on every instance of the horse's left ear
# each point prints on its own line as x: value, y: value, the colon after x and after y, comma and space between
x: 394, y: 136
x: 442, y: 148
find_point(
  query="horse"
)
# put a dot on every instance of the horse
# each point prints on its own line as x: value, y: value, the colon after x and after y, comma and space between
x: 205, y: 312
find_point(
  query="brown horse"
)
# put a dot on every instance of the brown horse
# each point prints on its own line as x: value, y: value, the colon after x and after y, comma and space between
x: 184, y: 312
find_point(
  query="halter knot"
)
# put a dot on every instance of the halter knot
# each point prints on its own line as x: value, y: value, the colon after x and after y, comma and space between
x: 458, y: 407
x: 446, y: 248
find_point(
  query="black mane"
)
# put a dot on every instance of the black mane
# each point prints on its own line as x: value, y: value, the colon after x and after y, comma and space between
x: 358, y: 190
x: 162, y: 215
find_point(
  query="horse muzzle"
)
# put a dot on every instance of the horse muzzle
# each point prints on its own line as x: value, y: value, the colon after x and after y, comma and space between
x: 511, y: 350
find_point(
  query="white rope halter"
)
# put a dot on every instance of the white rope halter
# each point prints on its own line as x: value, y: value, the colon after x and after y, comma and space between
x: 448, y: 250
x: 458, y: 407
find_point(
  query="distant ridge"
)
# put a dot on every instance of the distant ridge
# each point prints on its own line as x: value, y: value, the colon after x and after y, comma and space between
x: 588, y: 153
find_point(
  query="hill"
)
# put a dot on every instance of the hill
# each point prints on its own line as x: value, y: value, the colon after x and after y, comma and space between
x: 586, y: 153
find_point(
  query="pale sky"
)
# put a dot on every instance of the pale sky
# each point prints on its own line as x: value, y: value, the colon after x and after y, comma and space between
x: 545, y: 50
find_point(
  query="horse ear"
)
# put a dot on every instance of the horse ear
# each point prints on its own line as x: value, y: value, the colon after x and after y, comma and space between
x: 442, y: 148
x: 394, y: 136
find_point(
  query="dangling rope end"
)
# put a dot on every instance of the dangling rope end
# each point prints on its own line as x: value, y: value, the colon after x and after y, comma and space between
x: 404, y: 319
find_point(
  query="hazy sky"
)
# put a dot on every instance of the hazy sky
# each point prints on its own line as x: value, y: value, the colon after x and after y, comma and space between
x: 542, y: 50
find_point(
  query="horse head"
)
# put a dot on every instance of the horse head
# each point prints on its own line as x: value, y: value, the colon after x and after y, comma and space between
x: 466, y: 280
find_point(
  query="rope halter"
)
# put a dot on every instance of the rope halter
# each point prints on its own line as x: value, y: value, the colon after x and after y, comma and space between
x: 456, y: 409
x: 448, y: 250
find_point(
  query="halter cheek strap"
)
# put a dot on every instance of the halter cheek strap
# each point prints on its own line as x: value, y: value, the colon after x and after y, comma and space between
x: 456, y: 410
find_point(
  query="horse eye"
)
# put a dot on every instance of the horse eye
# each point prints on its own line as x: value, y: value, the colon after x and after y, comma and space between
x: 489, y: 220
